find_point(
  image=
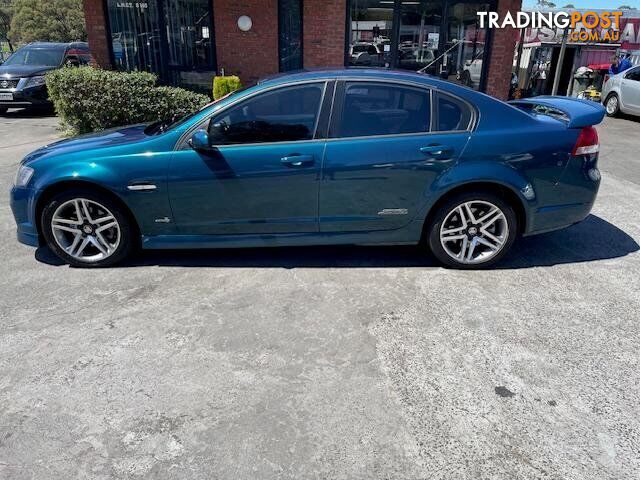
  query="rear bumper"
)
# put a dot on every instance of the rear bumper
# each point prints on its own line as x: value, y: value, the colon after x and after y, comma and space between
x: 21, y: 202
x: 570, y: 201
x: 556, y: 217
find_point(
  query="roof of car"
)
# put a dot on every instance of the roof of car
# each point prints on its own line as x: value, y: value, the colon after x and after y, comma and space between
x: 57, y: 44
x: 346, y: 72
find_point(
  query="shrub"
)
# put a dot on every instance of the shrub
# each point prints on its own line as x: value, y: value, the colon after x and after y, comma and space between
x: 224, y: 85
x: 89, y: 99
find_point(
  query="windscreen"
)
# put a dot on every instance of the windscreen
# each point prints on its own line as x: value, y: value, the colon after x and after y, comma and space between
x: 36, y: 57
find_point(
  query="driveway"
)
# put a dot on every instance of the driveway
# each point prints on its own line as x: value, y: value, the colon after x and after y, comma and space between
x: 333, y: 363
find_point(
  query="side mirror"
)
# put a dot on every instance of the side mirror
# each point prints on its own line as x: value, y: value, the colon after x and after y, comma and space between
x: 200, y: 141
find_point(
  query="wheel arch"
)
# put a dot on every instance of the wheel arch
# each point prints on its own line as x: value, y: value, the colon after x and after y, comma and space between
x: 56, y: 188
x: 496, y: 188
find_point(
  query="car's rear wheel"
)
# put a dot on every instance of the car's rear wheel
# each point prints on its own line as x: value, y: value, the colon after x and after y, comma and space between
x: 86, y: 229
x: 612, y: 105
x: 472, y: 230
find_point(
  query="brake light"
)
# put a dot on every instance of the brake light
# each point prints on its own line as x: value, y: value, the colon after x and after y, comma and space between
x: 588, y: 142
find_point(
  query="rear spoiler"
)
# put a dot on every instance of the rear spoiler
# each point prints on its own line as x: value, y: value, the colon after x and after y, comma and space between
x: 575, y: 112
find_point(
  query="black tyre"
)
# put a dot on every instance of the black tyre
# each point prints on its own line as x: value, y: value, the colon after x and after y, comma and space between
x: 3, y: 110
x: 472, y: 230
x: 612, y: 105
x: 87, y: 229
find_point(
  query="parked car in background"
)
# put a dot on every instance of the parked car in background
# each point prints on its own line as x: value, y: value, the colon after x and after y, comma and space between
x: 22, y: 74
x: 472, y: 70
x: 363, y: 54
x: 621, y: 93
x: 344, y: 156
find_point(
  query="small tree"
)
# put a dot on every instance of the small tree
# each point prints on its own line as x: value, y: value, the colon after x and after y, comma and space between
x: 5, y: 21
x: 625, y: 7
x: 47, y: 20
x: 570, y: 5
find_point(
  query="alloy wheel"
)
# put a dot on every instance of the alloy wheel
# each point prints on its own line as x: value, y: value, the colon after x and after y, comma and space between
x: 612, y: 105
x: 474, y: 232
x: 85, y: 230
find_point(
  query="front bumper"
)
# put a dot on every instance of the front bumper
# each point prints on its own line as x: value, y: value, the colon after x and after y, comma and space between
x: 28, y: 97
x: 22, y: 205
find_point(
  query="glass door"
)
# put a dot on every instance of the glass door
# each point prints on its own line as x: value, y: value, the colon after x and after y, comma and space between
x: 190, y: 52
x: 420, y: 39
x: 465, y: 43
x: 171, y: 38
x: 135, y: 35
x: 371, y: 27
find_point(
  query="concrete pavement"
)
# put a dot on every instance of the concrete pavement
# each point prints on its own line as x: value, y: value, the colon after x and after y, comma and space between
x: 327, y: 362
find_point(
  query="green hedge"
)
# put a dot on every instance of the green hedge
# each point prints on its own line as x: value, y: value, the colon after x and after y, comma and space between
x: 90, y: 99
x: 224, y: 85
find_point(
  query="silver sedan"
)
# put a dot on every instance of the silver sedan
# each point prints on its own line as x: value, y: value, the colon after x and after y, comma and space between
x: 621, y: 93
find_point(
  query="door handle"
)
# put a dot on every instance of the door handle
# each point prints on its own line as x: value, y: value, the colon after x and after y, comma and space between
x: 295, y: 160
x: 442, y: 152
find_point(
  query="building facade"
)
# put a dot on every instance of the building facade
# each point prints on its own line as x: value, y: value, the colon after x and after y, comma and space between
x: 186, y: 42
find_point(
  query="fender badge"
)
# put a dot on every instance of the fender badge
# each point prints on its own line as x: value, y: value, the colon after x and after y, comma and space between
x: 163, y: 220
x: 393, y: 211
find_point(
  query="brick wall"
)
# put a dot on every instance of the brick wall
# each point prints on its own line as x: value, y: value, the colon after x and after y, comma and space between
x: 250, y: 55
x: 96, y: 25
x: 502, y: 52
x: 323, y: 31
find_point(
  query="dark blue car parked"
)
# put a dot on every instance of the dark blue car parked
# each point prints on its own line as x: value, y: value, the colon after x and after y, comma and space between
x: 317, y: 158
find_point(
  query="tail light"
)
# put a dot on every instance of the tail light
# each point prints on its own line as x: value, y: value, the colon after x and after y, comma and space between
x: 606, y: 79
x: 588, y: 142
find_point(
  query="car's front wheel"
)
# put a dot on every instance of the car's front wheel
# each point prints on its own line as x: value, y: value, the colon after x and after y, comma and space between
x: 3, y: 110
x: 86, y: 229
x: 612, y: 105
x: 472, y: 230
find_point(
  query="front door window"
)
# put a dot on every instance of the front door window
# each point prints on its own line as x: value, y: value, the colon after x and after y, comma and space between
x: 284, y: 115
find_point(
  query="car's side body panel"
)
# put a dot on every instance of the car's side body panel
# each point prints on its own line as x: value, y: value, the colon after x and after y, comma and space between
x: 357, y: 190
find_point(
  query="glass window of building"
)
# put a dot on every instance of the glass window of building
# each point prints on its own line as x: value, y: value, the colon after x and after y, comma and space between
x: 419, y: 36
x: 290, y: 34
x: 439, y: 37
x: 370, y: 33
x: 466, y: 42
x: 172, y: 38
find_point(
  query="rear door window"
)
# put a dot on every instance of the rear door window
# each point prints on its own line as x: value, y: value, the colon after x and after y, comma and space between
x: 370, y: 109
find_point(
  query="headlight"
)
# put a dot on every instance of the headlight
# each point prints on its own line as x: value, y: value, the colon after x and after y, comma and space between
x: 34, y: 81
x: 23, y: 176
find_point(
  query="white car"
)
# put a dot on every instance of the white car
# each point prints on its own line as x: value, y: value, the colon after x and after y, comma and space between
x: 621, y: 93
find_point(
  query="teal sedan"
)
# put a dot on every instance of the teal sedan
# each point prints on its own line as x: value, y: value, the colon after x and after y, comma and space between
x: 347, y: 156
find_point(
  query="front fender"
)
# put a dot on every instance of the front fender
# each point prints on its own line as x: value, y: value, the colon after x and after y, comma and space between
x: 146, y: 206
